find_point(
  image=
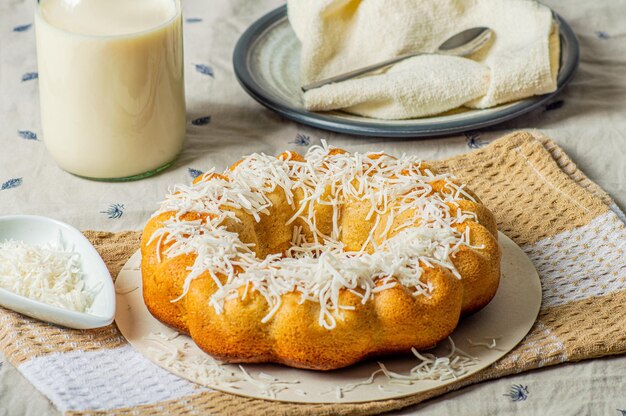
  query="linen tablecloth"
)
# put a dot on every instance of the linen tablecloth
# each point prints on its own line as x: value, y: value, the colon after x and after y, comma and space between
x: 587, y: 120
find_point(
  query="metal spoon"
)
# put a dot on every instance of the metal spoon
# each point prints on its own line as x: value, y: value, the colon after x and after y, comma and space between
x: 462, y: 44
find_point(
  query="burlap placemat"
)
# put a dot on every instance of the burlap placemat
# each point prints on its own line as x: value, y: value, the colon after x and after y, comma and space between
x: 566, y: 224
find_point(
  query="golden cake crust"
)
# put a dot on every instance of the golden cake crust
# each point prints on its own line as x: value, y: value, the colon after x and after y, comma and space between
x: 393, y: 321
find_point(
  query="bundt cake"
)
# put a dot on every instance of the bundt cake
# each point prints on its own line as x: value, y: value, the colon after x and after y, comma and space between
x: 320, y: 261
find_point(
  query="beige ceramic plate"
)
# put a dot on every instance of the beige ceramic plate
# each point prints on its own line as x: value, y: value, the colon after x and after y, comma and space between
x: 508, y: 318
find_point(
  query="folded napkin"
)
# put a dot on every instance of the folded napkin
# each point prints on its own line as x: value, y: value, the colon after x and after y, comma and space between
x: 338, y: 36
x: 565, y: 223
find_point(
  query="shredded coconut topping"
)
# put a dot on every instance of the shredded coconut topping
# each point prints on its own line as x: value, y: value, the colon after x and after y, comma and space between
x: 317, y: 266
x: 48, y: 273
x: 488, y: 345
x: 450, y: 363
x: 206, y: 370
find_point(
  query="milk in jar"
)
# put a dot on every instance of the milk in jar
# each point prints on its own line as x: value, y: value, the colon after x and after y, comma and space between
x: 111, y: 85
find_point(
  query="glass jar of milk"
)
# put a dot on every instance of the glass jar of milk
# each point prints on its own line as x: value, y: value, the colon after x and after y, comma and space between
x: 111, y: 85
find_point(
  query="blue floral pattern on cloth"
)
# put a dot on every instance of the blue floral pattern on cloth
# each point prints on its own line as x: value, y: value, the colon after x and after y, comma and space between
x: 114, y: 211
x: 473, y: 141
x: 622, y: 411
x: 22, y: 28
x: 201, y: 121
x: 30, y: 76
x: 193, y: 20
x: 27, y: 134
x: 11, y: 183
x: 194, y: 173
x: 301, y: 140
x: 517, y: 393
x: 602, y: 34
x: 204, y: 69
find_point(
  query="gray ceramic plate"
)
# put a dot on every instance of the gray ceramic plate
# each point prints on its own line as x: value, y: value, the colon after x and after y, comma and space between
x: 266, y: 61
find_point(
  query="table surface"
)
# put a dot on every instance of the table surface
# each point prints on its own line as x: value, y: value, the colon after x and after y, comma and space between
x: 587, y: 120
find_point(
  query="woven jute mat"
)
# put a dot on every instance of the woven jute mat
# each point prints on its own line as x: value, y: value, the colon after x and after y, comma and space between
x: 568, y: 226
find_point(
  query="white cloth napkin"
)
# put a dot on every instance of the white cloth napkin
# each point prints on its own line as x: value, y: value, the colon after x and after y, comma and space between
x: 342, y: 35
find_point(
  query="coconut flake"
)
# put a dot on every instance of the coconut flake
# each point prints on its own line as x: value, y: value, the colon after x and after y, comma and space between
x: 48, y: 273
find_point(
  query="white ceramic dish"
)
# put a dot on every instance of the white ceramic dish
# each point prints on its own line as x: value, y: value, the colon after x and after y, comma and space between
x: 508, y: 317
x: 41, y: 230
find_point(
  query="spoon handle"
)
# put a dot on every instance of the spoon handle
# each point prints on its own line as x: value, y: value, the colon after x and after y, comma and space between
x: 358, y: 72
x: 462, y: 44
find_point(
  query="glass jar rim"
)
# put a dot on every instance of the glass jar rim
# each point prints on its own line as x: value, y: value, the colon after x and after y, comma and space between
x: 177, y: 15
